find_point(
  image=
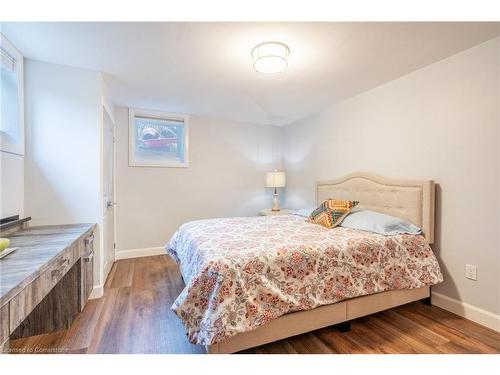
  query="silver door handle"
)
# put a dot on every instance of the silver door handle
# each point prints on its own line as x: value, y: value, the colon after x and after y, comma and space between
x: 110, y: 204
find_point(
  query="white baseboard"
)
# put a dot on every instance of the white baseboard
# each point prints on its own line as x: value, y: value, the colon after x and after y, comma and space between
x: 137, y: 253
x: 470, y: 312
x: 97, y: 292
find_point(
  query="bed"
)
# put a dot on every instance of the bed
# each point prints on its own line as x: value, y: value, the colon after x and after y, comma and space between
x: 251, y: 281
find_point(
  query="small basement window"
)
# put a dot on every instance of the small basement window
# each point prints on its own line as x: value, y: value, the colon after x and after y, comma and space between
x: 157, y: 139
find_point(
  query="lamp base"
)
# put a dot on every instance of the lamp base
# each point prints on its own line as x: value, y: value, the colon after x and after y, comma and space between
x: 276, y: 204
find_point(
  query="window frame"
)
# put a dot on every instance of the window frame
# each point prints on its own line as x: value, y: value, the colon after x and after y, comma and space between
x: 133, y: 113
x: 17, y: 148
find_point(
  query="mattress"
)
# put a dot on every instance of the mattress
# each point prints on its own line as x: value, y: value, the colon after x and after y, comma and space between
x: 243, y: 272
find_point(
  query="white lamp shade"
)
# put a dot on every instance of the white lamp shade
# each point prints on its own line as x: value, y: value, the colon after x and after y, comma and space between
x: 275, y: 179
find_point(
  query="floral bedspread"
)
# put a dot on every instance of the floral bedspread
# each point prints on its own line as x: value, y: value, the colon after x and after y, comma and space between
x: 241, y: 273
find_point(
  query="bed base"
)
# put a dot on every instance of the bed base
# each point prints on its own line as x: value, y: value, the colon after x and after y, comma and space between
x: 299, y: 322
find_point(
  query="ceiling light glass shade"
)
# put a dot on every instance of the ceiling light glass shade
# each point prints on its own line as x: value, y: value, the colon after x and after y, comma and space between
x: 270, y: 57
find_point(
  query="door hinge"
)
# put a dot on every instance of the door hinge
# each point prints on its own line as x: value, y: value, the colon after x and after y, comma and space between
x: 114, y: 245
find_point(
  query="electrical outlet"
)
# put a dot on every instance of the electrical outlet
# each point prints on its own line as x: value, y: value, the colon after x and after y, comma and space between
x: 471, y: 271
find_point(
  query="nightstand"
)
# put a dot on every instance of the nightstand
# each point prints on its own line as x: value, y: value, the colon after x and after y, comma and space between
x: 269, y: 212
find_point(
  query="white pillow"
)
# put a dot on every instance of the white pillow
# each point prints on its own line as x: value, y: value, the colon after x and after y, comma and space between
x: 379, y: 223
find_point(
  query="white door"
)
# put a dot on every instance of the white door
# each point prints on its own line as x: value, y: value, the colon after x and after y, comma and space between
x: 108, y: 193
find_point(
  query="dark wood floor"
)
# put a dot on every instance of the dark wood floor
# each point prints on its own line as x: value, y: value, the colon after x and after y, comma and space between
x: 134, y: 317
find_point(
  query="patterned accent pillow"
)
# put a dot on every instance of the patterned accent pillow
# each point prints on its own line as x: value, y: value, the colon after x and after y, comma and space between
x: 331, y: 212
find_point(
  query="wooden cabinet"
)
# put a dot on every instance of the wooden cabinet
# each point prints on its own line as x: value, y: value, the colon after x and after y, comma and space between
x: 47, y: 281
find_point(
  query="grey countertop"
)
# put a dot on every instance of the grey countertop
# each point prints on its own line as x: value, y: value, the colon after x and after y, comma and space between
x: 37, y: 246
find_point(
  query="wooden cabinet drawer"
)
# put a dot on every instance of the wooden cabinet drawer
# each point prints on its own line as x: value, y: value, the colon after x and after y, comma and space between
x: 59, y: 267
x: 24, y: 302
x: 88, y: 244
x: 87, y: 269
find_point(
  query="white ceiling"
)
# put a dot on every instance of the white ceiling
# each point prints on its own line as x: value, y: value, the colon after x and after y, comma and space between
x: 206, y: 68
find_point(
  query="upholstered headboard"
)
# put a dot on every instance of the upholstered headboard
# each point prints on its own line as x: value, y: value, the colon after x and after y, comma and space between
x: 409, y: 200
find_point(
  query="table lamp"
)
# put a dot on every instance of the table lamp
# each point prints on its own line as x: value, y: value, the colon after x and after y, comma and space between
x: 275, y: 180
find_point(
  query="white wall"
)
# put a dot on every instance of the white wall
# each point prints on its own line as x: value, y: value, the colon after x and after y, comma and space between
x: 63, y: 147
x: 62, y: 144
x: 440, y: 122
x: 225, y: 177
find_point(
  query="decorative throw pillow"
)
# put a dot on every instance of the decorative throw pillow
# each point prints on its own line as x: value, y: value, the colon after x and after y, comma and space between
x: 331, y: 212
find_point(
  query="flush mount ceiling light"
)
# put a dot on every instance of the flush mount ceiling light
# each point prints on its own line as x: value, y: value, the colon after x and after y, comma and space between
x: 270, y: 57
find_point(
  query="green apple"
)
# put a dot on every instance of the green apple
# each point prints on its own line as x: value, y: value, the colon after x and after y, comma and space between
x: 4, y: 243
